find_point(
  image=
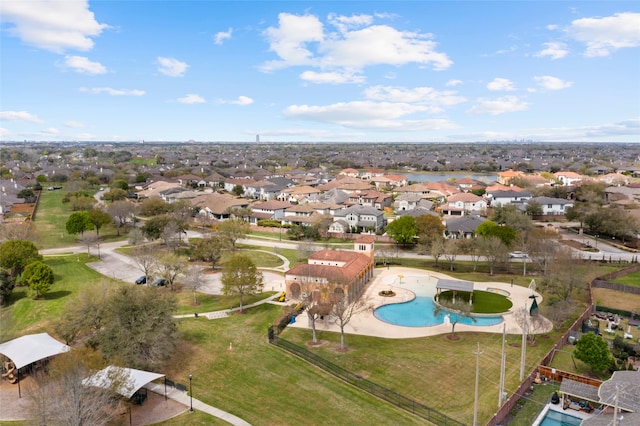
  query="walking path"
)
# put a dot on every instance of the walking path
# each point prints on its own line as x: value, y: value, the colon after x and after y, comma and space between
x: 185, y: 399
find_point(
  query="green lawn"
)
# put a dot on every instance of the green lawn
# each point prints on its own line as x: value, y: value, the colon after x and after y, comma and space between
x: 212, y: 303
x: 534, y: 403
x: 484, y: 302
x: 632, y: 279
x: 51, y: 218
x: 25, y: 315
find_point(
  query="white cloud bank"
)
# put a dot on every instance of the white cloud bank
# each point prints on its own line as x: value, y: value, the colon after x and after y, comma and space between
x: 605, y: 35
x: 112, y: 92
x: 83, y: 65
x: 56, y: 26
x: 172, y: 67
x: 20, y: 116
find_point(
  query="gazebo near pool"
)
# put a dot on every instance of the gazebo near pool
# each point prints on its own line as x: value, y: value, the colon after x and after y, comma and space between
x: 455, y: 286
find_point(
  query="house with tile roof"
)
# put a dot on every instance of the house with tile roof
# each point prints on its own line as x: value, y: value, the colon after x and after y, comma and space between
x: 298, y: 194
x: 509, y: 196
x: 347, y: 272
x: 567, y: 178
x: 505, y: 177
x: 218, y: 206
x: 371, y: 198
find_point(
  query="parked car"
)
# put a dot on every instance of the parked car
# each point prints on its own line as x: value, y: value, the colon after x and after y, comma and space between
x: 160, y: 282
x: 518, y: 255
x: 142, y: 280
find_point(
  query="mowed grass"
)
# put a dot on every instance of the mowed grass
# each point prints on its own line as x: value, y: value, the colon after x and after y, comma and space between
x: 213, y: 303
x: 632, y: 279
x: 24, y: 315
x: 435, y: 371
x: 235, y: 369
x: 484, y: 302
x: 51, y: 218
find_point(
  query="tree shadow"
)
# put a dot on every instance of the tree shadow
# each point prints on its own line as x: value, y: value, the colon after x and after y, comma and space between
x: 56, y: 294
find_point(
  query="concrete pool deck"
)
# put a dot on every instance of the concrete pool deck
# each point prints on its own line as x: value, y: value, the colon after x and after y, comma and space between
x: 367, y: 324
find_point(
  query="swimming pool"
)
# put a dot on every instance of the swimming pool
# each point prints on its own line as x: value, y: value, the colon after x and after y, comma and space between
x: 419, y: 313
x: 556, y: 418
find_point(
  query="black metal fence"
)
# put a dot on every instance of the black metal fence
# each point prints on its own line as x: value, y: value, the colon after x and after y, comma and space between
x: 374, y: 389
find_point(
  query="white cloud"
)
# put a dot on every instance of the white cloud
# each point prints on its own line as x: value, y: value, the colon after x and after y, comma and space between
x: 74, y: 124
x: 51, y: 131
x: 220, y: 37
x: 289, y: 40
x: 242, y: 100
x: 453, y: 83
x: 191, y: 99
x: 83, y: 65
x: 548, y: 82
x: 172, y: 67
x: 52, y: 25
x: 498, y: 106
x: 555, y: 50
x: 302, y: 41
x: 501, y: 84
x: 20, y: 116
x: 345, y: 23
x: 433, y: 99
x: 112, y: 92
x: 605, y: 35
x: 4, y: 133
x: 332, y: 77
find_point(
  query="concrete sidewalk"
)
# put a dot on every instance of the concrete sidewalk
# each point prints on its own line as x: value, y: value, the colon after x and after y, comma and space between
x: 185, y: 399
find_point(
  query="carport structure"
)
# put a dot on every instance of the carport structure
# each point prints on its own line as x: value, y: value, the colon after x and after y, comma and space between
x: 455, y: 286
x: 26, y: 350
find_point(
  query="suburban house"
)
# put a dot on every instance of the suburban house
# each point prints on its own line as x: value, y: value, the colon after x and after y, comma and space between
x: 273, y: 209
x: 154, y: 189
x: 298, y: 194
x: 407, y: 201
x: 348, y: 271
x: 218, y: 206
x: 553, y: 206
x: 505, y: 177
x: 463, y: 227
x: 370, y: 198
x: 464, y: 203
x: 307, y: 214
x: 357, y: 219
x: 244, y: 183
x: 510, y: 196
x: 568, y: 178
x: 468, y: 184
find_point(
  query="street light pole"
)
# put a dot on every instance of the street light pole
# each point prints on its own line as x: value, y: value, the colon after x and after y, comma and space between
x: 190, y: 395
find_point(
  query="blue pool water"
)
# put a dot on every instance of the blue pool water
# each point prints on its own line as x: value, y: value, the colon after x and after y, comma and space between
x: 555, y: 418
x: 419, y: 313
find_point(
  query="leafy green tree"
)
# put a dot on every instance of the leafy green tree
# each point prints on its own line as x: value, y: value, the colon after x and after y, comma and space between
x: 154, y: 227
x: 403, y: 230
x: 154, y: 206
x: 114, y: 194
x: 237, y: 190
x: 170, y: 267
x: 429, y: 228
x: 28, y: 195
x: 78, y: 222
x: 138, y: 327
x: 120, y: 184
x: 41, y: 178
x: 16, y: 254
x: 593, y: 351
x: 232, y: 230
x: 99, y: 218
x: 39, y: 278
x: 505, y: 233
x: 209, y: 249
x: 241, y: 277
x: 7, y: 283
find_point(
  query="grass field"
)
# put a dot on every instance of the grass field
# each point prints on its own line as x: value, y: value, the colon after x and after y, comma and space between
x: 632, y: 279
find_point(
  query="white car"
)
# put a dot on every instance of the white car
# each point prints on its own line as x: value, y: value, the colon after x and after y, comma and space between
x: 518, y: 255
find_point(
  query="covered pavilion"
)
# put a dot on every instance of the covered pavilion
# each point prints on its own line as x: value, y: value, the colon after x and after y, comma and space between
x: 26, y: 350
x: 455, y: 286
x: 124, y: 381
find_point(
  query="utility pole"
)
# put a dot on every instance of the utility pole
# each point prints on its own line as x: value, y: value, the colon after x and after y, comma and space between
x: 523, y: 353
x: 503, y: 362
x: 475, y: 402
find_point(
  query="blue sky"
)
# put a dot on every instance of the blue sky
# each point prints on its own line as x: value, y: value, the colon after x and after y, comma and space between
x: 337, y: 71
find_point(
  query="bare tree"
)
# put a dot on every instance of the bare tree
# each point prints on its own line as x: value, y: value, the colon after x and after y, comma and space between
x: 305, y: 249
x: 121, y: 213
x: 89, y: 240
x: 170, y: 267
x: 493, y: 250
x: 436, y: 248
x: 84, y: 314
x: 60, y: 396
x: 385, y: 253
x: 18, y: 231
x: 543, y: 245
x: 193, y: 280
x: 145, y: 258
x: 232, y: 230
x: 171, y: 235
x: 471, y: 247
x: 456, y: 311
x: 317, y: 304
x: 344, y: 309
x: 451, y: 249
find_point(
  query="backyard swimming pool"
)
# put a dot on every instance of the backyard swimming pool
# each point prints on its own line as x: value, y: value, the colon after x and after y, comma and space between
x: 419, y: 311
x: 555, y: 418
